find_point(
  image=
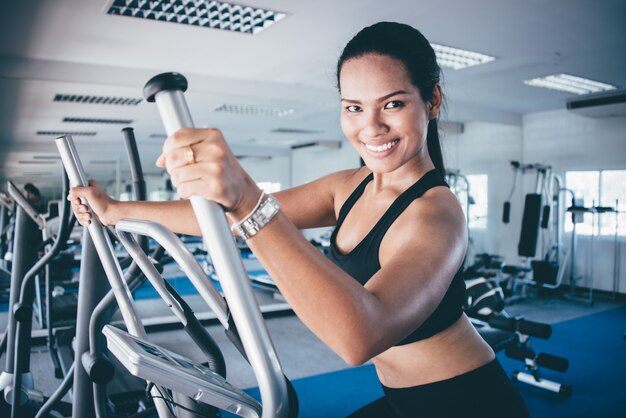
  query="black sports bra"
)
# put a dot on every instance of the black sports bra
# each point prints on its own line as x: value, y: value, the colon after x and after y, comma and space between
x: 363, y: 262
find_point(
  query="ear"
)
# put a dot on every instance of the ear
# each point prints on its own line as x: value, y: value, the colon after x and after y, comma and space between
x: 434, y: 104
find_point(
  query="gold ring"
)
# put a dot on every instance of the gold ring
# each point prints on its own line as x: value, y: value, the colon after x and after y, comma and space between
x: 189, y: 156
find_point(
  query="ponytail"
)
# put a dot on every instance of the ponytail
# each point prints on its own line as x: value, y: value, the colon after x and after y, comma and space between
x: 434, y: 147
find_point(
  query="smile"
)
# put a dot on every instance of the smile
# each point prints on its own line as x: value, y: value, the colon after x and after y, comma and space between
x: 383, y: 147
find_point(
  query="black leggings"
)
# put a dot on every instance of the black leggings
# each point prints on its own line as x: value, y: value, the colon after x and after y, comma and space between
x: 486, y: 392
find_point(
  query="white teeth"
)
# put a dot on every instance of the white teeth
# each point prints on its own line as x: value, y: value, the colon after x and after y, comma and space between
x: 381, y: 148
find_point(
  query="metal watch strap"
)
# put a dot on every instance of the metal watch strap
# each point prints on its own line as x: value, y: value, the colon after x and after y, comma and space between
x: 258, y: 219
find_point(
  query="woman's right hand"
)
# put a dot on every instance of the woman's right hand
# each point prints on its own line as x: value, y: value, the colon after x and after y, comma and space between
x: 99, y: 201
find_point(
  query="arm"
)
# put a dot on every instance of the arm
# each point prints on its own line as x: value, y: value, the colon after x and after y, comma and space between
x: 177, y: 215
x: 414, y: 277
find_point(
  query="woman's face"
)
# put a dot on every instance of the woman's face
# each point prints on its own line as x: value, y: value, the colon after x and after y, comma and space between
x: 383, y: 114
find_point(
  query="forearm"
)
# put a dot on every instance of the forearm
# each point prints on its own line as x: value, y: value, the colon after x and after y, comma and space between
x: 177, y: 216
x: 330, y: 302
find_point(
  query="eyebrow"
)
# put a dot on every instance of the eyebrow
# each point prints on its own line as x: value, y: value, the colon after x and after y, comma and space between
x: 380, y: 99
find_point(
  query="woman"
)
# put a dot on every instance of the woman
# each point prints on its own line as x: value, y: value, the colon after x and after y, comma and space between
x: 391, y: 291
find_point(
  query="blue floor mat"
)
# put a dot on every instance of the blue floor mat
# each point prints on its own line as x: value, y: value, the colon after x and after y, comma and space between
x: 594, y: 345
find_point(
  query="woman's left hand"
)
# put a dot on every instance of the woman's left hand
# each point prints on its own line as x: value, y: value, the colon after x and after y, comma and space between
x: 210, y: 170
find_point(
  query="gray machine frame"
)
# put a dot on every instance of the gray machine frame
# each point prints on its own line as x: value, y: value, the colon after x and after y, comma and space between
x: 243, y: 309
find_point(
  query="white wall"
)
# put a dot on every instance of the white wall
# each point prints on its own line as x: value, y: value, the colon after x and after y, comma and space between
x: 559, y: 138
x: 487, y: 148
x: 308, y: 164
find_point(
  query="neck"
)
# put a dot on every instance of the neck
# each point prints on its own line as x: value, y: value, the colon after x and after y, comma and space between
x: 403, y: 177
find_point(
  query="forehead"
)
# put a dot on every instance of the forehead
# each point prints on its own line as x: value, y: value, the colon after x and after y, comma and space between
x: 371, y: 76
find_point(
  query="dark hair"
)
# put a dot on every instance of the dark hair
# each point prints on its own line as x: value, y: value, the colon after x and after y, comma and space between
x: 30, y: 187
x: 409, y: 46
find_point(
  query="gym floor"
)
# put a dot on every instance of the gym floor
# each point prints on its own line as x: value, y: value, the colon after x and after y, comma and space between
x: 303, y: 355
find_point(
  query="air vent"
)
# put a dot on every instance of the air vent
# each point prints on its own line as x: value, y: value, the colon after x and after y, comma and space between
x: 328, y: 144
x: 61, y: 133
x: 253, y: 110
x: 97, y: 120
x: 47, y: 157
x: 295, y: 131
x: 103, y: 100
x: 40, y: 162
x: 451, y: 128
x: 204, y: 13
x: 104, y: 162
x: 599, y: 105
x: 254, y: 157
x: 36, y: 173
x: 157, y: 136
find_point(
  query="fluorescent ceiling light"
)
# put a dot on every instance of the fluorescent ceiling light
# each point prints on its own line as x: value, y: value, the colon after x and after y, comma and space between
x: 295, y: 131
x: 254, y: 110
x: 205, y: 13
x: 458, y: 58
x: 569, y: 84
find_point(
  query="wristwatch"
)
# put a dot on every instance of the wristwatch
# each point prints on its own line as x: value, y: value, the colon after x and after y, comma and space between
x: 256, y: 220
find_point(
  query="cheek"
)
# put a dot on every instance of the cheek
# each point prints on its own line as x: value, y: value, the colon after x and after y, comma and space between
x: 348, y: 127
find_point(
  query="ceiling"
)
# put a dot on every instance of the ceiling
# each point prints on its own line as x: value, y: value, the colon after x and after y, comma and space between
x: 74, y: 47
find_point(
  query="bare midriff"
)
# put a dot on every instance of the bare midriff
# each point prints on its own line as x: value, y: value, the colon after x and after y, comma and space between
x: 452, y: 352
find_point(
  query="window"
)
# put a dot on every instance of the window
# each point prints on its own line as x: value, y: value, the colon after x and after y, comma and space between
x: 598, y: 188
x: 478, y: 195
x: 477, y: 183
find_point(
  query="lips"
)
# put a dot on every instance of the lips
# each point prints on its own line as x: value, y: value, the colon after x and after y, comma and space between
x: 383, y: 147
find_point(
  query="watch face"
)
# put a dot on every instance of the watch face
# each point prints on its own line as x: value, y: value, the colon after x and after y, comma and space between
x: 267, y: 209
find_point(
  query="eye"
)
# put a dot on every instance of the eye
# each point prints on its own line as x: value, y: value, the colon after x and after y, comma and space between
x: 394, y: 104
x: 353, y: 108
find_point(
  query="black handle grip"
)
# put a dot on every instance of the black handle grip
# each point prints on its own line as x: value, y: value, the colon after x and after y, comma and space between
x: 164, y: 81
x: 506, y: 214
x: 520, y: 353
x: 535, y: 329
x: 506, y: 324
x: 99, y: 368
x: 560, y: 364
x: 545, y: 217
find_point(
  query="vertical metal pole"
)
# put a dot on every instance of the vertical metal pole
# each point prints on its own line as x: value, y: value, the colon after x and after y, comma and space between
x: 616, y: 251
x: 113, y: 271
x: 27, y: 237
x: 93, y: 285
x: 167, y: 91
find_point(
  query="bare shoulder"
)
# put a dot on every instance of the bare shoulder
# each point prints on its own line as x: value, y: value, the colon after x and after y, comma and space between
x: 346, y: 181
x: 431, y: 224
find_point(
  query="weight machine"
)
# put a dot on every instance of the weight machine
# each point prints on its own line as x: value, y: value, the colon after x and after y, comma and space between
x: 542, y: 218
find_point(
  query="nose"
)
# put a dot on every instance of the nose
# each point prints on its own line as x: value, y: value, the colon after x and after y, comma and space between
x: 373, y: 125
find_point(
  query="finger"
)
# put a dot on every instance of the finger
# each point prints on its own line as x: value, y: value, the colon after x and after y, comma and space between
x: 84, y: 219
x: 160, y: 161
x: 179, y: 158
x: 190, y: 172
x: 187, y: 136
x: 192, y: 188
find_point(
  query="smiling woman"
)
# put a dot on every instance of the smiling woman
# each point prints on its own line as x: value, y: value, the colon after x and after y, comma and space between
x: 391, y: 291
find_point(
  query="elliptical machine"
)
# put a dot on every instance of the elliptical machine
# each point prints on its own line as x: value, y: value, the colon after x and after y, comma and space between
x: 241, y: 317
x: 16, y: 380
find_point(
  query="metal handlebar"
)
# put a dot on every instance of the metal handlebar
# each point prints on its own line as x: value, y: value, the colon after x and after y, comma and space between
x: 176, y: 248
x: 167, y: 91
